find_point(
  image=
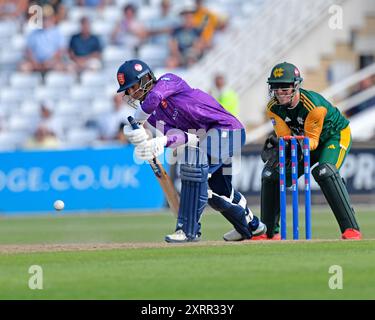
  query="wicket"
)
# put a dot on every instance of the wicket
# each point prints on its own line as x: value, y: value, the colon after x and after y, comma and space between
x: 282, y: 179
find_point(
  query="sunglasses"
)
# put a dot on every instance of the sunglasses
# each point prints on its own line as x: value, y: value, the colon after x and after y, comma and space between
x: 275, y: 86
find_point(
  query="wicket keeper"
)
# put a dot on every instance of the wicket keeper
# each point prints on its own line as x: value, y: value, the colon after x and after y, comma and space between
x: 296, y: 111
x: 174, y: 108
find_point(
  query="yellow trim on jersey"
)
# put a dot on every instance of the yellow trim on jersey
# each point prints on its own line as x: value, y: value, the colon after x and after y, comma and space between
x: 345, y: 138
x: 279, y: 125
x: 306, y: 105
x: 307, y: 102
x: 314, y: 125
x: 341, y: 158
x: 271, y: 103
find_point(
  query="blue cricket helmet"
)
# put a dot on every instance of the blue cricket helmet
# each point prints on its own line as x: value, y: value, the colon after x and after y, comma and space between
x: 132, y: 72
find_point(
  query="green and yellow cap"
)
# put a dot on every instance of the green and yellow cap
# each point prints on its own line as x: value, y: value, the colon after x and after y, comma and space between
x: 285, y: 73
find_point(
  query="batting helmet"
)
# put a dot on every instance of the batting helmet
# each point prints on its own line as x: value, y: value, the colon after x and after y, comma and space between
x: 132, y: 72
x: 284, y: 76
x: 284, y: 73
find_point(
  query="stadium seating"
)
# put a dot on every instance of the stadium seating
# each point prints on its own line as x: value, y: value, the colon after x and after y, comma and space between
x: 362, y: 125
x: 12, y: 140
x: 266, y: 38
x: 254, y: 40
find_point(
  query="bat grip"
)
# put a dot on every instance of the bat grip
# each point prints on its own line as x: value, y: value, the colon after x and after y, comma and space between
x: 133, y: 123
x: 155, y: 167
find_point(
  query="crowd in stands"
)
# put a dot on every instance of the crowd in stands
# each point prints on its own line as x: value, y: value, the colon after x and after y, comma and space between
x: 188, y: 34
x: 184, y: 33
x: 87, y: 40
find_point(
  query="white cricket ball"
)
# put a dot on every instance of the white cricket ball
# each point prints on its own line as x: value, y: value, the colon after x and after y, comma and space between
x: 59, y: 205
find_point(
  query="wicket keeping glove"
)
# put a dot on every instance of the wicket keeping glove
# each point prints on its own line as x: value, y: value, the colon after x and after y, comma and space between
x: 151, y: 148
x: 135, y: 136
x: 270, y: 150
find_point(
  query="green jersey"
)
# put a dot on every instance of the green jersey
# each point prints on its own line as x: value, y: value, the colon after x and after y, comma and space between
x: 313, y: 116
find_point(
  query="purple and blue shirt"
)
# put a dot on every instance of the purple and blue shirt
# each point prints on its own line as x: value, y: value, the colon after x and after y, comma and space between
x: 173, y: 104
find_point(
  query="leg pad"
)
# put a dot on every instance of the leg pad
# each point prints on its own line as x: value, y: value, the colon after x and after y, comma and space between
x: 336, y: 194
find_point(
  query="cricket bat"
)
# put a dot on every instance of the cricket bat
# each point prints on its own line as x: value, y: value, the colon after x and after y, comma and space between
x: 164, y: 180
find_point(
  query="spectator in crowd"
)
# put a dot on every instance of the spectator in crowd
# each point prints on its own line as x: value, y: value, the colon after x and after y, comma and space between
x: 120, y: 134
x: 85, y: 48
x: 48, y: 130
x: 10, y: 9
x: 48, y: 121
x: 225, y: 96
x: 208, y: 22
x: 45, y: 47
x: 99, y: 4
x: 42, y: 138
x: 370, y: 102
x: 109, y: 124
x: 185, y: 45
x: 161, y: 25
x: 129, y: 31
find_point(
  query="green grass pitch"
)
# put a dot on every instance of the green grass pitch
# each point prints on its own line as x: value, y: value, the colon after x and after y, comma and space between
x: 131, y: 260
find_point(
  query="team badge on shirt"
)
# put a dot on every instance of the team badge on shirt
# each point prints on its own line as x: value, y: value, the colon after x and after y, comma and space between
x: 273, y: 121
x: 164, y: 104
x: 138, y: 67
x: 121, y: 78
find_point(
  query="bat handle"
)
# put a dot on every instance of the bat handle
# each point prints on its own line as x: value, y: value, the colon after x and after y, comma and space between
x: 156, y: 168
x: 154, y: 164
x: 133, y: 123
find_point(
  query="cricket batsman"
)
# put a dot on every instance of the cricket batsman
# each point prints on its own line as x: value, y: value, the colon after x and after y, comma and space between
x: 296, y: 111
x: 209, y: 135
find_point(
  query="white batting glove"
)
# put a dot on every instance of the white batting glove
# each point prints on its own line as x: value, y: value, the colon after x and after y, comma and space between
x: 135, y: 136
x: 151, y: 148
x: 192, y: 141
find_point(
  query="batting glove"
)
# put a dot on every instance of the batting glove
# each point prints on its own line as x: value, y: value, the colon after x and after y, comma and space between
x: 135, y: 136
x: 192, y: 140
x: 151, y: 148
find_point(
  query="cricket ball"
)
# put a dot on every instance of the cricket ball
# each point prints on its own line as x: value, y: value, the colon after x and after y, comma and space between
x: 59, y: 205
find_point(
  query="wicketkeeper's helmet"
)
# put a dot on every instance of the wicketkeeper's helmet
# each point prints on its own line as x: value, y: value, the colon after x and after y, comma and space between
x: 285, y: 73
x: 283, y: 76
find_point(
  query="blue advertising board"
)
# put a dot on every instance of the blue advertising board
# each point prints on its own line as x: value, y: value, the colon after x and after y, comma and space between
x: 358, y: 170
x: 87, y: 179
